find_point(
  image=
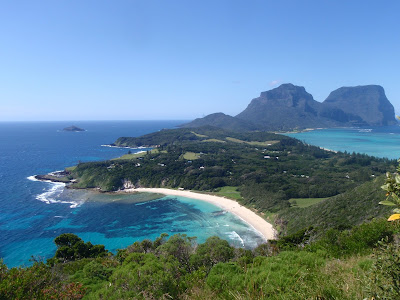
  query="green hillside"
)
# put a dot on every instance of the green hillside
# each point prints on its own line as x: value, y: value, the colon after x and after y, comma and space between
x: 361, y: 263
x: 342, y: 211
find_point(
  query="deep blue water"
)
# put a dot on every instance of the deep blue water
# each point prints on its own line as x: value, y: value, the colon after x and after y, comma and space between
x: 33, y: 213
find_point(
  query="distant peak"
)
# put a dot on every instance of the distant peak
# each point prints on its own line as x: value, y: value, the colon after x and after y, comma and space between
x: 217, y: 114
x: 284, y: 90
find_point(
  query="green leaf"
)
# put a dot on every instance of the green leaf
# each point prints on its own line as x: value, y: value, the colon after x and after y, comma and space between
x: 396, y: 210
x: 395, y: 197
x: 387, y: 202
x: 385, y: 187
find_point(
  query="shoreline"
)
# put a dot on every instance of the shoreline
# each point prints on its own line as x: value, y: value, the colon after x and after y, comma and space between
x: 259, y: 224
x: 124, y: 147
x: 248, y: 216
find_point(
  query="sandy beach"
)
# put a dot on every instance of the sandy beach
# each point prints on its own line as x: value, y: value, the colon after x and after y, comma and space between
x: 248, y: 216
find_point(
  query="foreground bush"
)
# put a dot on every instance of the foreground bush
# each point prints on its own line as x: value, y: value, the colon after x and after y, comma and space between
x: 351, y: 264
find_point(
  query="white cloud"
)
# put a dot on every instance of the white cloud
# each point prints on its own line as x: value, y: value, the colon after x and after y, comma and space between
x: 274, y: 82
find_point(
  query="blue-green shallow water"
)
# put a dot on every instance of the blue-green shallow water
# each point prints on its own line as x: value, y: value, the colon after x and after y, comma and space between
x: 377, y: 141
x: 33, y: 213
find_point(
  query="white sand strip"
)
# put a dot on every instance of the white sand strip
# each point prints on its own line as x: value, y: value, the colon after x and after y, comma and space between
x: 248, y: 216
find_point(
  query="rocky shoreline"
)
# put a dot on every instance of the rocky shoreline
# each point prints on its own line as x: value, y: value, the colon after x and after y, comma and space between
x: 57, y: 176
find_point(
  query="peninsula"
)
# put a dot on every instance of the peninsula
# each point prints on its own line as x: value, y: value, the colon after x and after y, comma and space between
x: 270, y: 173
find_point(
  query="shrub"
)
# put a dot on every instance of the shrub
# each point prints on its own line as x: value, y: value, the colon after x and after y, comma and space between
x: 359, y: 240
x: 384, y: 279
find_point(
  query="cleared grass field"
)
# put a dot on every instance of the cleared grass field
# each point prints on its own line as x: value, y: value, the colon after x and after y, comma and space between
x: 190, y: 156
x: 130, y: 156
x: 229, y: 192
x: 136, y: 155
x: 305, y: 202
x: 199, y: 135
x: 214, y: 140
x: 253, y: 143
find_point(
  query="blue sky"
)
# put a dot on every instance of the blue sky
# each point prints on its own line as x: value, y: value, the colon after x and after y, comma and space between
x: 129, y: 60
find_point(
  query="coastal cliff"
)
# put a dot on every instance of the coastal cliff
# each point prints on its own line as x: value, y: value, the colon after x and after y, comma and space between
x: 363, y: 105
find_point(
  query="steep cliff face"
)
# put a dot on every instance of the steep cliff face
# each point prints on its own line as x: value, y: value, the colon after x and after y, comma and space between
x: 291, y: 107
x: 285, y: 107
x: 364, y: 105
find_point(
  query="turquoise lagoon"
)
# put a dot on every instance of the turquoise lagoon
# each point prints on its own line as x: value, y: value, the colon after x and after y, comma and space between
x: 376, y: 141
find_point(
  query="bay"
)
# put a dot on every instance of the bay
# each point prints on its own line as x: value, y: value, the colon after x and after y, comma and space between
x: 33, y: 213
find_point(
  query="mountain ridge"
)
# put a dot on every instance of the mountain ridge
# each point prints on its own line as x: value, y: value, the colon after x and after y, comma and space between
x: 289, y: 107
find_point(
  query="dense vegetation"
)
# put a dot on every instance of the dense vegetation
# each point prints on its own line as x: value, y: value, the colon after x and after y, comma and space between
x: 267, y: 170
x: 332, y: 248
x: 339, y: 212
x: 352, y: 264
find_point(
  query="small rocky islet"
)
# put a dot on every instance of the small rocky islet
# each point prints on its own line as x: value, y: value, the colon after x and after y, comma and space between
x: 73, y: 129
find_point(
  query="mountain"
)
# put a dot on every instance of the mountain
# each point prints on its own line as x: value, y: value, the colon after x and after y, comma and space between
x: 292, y: 107
x: 367, y: 105
x: 222, y: 120
x: 284, y: 108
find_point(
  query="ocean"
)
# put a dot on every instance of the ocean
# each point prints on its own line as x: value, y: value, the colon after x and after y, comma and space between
x: 33, y: 213
x: 376, y: 141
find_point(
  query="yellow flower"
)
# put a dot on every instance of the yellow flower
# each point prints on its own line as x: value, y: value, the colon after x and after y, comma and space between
x: 394, y: 217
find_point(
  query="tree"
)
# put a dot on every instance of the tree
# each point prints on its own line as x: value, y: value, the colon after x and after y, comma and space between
x: 71, y: 247
x: 179, y: 246
x: 213, y: 251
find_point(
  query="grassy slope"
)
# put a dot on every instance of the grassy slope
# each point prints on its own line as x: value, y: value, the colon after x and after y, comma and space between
x: 305, y: 202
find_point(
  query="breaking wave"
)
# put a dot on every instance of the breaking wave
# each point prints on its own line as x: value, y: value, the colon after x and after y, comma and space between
x: 235, y: 236
x: 52, y: 195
